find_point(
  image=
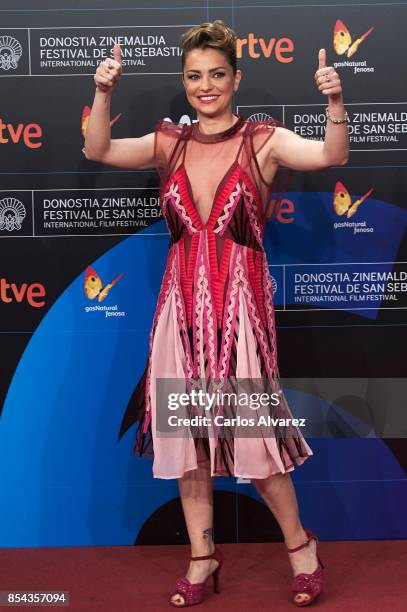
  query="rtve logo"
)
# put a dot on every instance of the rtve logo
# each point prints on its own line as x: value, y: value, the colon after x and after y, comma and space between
x: 27, y: 134
x: 283, y: 210
x: 33, y: 293
x: 282, y: 49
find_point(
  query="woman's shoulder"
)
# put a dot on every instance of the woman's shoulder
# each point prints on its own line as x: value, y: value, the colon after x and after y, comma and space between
x: 172, y: 128
x: 261, y: 123
x: 260, y: 129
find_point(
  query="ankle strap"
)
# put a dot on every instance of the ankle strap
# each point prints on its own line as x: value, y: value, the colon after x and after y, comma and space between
x: 311, y: 536
x: 203, y: 557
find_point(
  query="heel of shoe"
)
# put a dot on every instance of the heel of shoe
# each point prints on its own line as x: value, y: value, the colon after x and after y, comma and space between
x: 217, y: 554
x: 311, y: 535
x: 320, y: 561
x: 216, y: 580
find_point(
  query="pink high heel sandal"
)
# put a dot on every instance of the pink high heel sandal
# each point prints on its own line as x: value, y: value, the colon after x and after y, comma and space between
x: 311, y: 584
x: 194, y: 593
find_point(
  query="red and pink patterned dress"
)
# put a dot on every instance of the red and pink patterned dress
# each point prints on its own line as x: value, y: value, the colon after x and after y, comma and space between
x: 214, y: 319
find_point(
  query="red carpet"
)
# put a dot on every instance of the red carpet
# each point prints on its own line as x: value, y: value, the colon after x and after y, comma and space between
x: 359, y: 576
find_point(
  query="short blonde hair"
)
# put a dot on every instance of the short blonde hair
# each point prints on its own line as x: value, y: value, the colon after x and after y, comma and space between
x: 215, y: 34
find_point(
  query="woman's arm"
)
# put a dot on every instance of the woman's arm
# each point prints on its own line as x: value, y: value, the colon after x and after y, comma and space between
x: 131, y: 153
x: 294, y: 151
x: 289, y: 149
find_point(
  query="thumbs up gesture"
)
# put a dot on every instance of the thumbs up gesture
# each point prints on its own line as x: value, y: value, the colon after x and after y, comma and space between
x: 327, y: 80
x: 109, y: 71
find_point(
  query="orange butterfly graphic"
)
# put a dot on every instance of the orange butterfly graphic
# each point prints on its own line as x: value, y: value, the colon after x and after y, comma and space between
x: 94, y: 286
x: 343, y: 201
x: 343, y: 40
x: 85, y: 119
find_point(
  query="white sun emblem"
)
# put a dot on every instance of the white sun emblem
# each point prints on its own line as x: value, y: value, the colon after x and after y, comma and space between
x: 10, y: 52
x: 12, y: 214
x: 273, y: 284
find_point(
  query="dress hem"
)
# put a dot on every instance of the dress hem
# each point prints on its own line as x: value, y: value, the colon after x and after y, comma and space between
x: 300, y: 460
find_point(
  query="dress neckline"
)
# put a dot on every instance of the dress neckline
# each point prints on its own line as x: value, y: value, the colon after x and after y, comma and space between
x: 217, y: 136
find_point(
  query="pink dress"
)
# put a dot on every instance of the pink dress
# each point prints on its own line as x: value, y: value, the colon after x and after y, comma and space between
x: 214, y: 321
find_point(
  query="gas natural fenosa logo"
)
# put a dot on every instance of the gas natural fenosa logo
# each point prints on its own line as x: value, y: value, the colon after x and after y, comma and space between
x: 94, y: 288
x: 344, y: 44
x: 343, y: 206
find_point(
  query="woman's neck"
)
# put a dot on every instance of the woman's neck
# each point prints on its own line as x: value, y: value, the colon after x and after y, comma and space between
x: 213, y: 125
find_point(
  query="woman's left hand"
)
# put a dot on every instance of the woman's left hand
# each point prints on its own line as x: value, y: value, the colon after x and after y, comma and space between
x: 327, y: 79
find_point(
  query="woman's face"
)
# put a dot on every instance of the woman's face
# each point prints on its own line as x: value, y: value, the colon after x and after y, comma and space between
x: 208, y: 73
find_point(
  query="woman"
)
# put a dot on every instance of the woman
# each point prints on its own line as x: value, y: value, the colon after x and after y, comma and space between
x: 215, y: 316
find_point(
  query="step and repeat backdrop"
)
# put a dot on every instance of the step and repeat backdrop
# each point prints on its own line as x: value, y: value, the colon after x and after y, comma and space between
x: 337, y: 253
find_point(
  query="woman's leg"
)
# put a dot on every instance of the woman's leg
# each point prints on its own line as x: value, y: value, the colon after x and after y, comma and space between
x: 279, y: 494
x: 197, y: 503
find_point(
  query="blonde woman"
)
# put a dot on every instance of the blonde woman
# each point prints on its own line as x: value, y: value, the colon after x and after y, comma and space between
x: 215, y: 317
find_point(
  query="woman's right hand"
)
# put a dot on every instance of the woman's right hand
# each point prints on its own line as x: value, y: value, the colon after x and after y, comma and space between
x: 109, y: 71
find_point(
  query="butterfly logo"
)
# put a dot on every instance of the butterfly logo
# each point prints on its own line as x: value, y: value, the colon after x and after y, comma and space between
x: 343, y: 201
x: 343, y: 40
x: 94, y: 287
